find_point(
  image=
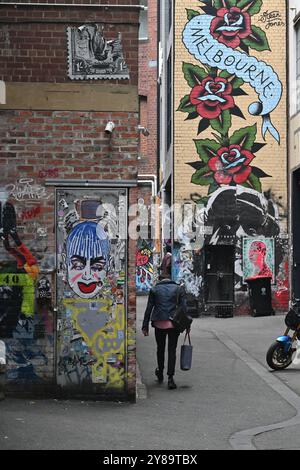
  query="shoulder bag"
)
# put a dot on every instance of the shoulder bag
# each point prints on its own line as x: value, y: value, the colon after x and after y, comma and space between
x: 186, y: 354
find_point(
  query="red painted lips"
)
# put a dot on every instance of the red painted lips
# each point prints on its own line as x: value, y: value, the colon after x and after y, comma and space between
x: 87, y: 288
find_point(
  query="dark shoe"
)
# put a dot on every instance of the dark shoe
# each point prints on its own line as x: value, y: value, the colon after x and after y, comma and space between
x: 159, y: 375
x: 171, y: 384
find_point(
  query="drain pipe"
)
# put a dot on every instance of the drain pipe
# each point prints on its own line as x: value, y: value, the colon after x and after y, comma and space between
x: 148, y: 182
x: 153, y: 181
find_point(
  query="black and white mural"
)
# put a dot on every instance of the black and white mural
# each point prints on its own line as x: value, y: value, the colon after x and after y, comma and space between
x: 92, y: 56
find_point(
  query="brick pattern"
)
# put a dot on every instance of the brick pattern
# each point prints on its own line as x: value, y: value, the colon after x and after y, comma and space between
x: 273, y: 158
x: 33, y: 41
x: 40, y: 145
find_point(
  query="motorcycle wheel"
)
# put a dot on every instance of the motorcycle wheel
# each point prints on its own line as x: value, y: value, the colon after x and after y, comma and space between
x: 277, y: 358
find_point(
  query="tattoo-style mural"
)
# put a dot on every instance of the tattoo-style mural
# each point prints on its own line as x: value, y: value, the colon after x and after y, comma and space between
x: 229, y: 40
x: 91, y: 288
x: 221, y: 40
x: 92, y: 56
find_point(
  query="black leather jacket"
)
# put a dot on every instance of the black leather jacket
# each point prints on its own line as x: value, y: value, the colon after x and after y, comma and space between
x: 162, y: 301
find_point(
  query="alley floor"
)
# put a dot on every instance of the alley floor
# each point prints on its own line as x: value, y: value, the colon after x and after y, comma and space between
x: 229, y: 400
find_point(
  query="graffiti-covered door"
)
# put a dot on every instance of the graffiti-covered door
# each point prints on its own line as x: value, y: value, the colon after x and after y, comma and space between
x: 91, y: 251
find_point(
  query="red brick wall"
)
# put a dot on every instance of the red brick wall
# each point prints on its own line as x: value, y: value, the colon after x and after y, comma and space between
x: 40, y: 145
x: 33, y: 41
x: 148, y: 92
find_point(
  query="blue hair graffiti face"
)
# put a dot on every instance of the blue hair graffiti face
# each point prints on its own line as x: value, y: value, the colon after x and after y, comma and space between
x: 87, y: 251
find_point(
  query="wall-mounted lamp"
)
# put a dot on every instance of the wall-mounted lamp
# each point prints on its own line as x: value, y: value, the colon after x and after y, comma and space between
x: 143, y: 130
x: 109, y: 128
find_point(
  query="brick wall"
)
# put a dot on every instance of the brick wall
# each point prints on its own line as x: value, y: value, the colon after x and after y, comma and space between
x: 39, y: 143
x: 33, y: 41
x: 271, y: 159
x: 147, y: 164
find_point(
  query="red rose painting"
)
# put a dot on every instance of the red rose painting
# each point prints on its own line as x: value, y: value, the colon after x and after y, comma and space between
x: 212, y: 97
x: 230, y: 26
x: 231, y: 164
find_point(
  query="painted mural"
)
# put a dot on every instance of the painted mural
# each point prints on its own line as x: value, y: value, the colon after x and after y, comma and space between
x: 222, y: 38
x: 230, y: 79
x: 91, y: 287
x: 92, y: 56
x: 26, y: 304
x: 144, y: 266
x: 258, y: 258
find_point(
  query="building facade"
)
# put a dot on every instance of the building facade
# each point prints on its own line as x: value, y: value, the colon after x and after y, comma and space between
x: 148, y: 247
x: 224, y: 147
x: 69, y: 164
x: 294, y: 135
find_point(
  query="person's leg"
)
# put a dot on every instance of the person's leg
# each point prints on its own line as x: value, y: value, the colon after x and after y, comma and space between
x: 160, y: 336
x: 172, y: 345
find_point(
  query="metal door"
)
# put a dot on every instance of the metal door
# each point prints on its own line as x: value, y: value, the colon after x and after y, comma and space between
x: 91, y: 247
x: 219, y: 274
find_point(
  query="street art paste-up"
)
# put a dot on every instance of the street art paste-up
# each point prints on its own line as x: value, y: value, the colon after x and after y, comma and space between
x: 258, y: 258
x: 92, y: 56
x: 91, y: 297
x: 144, y: 266
x: 87, y: 255
x: 8, y: 231
x: 221, y: 35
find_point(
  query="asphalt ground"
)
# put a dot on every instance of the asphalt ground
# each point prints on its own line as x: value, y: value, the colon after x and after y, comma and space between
x: 228, y: 400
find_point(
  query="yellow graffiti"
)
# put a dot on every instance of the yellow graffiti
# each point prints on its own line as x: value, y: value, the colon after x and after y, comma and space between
x: 26, y: 283
x: 102, y: 328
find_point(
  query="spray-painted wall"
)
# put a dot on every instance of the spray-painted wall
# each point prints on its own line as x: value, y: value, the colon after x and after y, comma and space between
x: 144, y: 266
x: 230, y: 148
x: 91, y: 287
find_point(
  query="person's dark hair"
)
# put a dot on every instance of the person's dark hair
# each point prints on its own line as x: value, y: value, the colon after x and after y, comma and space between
x: 168, y: 249
x: 167, y: 274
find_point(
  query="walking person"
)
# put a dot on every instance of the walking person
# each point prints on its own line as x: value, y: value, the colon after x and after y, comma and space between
x: 160, y: 309
x: 166, y: 261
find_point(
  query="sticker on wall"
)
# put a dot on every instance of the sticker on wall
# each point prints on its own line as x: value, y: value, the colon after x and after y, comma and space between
x: 92, y: 56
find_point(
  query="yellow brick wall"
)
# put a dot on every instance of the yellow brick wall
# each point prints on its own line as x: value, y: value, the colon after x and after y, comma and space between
x: 272, y: 159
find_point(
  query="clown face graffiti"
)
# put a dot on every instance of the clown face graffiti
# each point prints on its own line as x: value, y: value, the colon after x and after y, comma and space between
x: 87, y: 255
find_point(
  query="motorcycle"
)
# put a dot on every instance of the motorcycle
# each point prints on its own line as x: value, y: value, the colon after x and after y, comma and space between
x: 280, y: 354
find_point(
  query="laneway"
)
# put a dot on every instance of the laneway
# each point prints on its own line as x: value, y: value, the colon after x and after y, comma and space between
x: 221, y: 396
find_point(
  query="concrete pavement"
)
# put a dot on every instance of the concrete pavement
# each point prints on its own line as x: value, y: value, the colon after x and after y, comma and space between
x: 228, y: 400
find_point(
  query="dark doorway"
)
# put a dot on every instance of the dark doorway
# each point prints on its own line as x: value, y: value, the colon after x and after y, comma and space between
x: 296, y: 233
x: 219, y: 274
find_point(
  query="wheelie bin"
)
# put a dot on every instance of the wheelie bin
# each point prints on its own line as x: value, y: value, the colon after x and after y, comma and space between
x: 260, y: 296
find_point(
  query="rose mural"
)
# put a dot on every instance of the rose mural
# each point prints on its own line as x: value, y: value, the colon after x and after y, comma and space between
x: 212, y: 97
x: 231, y: 26
x: 228, y: 159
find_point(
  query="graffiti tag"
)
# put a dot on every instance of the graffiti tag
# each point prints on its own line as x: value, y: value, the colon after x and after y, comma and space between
x: 28, y: 214
x: 25, y: 190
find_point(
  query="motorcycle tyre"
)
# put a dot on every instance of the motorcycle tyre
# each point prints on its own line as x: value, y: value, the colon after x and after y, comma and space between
x: 270, y: 354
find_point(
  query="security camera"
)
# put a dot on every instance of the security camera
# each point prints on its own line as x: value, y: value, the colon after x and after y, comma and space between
x: 109, y: 127
x: 144, y: 131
